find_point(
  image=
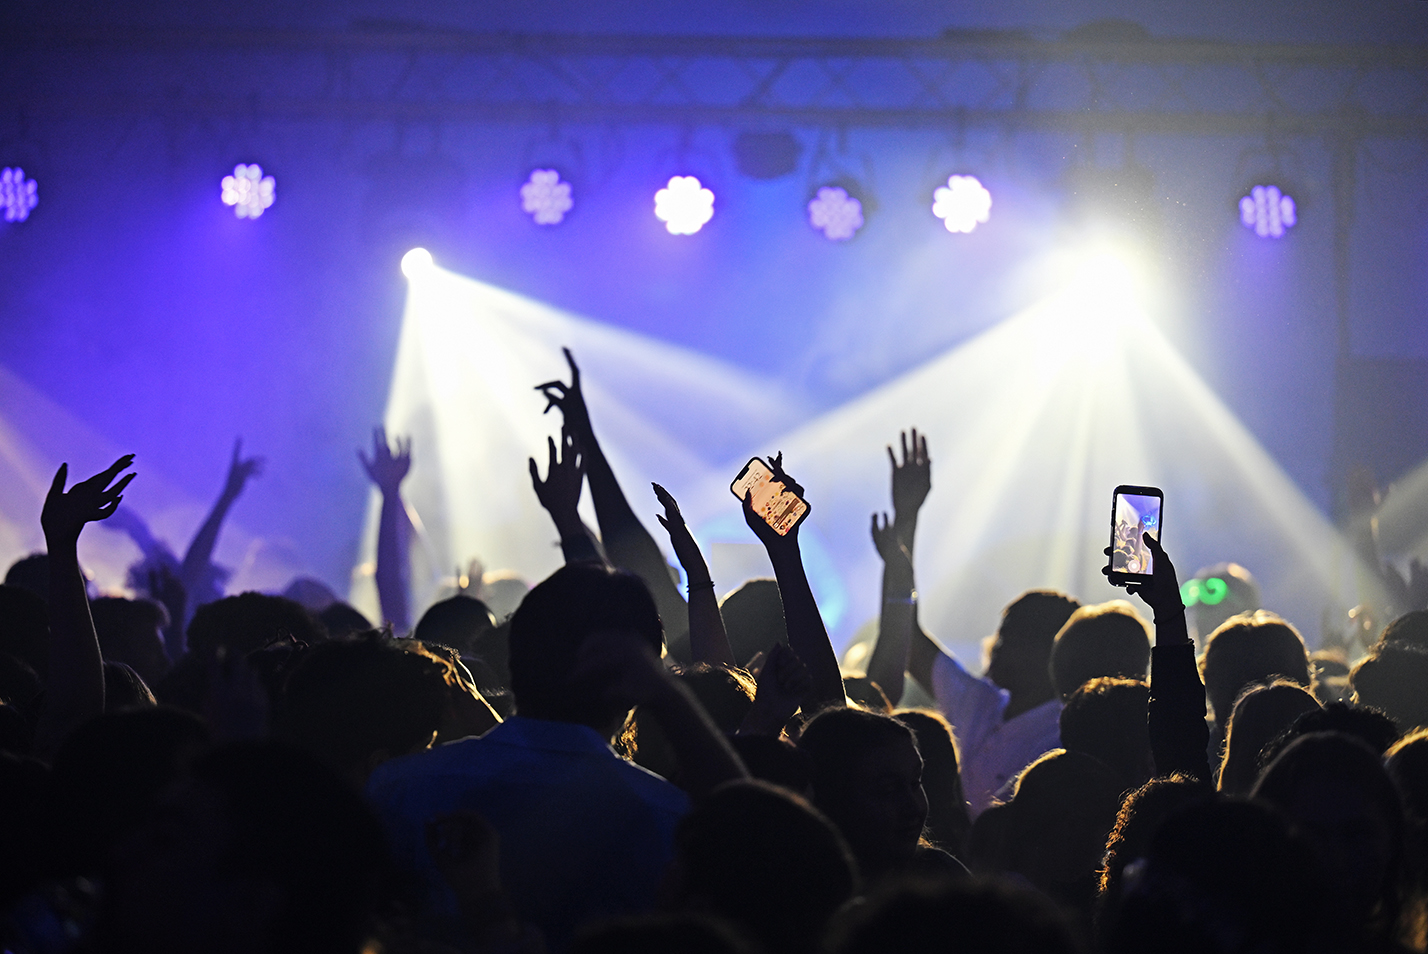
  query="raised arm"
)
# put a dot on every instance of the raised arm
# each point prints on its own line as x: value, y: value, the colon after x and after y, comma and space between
x: 626, y: 541
x: 559, y: 494
x: 1179, y: 737
x: 911, y: 483
x: 890, y: 653
x: 388, y: 468
x: 196, y: 570
x: 75, y: 687
x: 708, y: 641
x: 806, y: 633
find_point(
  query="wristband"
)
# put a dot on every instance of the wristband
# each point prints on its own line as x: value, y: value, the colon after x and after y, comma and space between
x: 699, y: 586
x: 908, y: 601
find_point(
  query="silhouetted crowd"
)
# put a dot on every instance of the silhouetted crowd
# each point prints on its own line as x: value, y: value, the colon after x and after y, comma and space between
x: 609, y: 762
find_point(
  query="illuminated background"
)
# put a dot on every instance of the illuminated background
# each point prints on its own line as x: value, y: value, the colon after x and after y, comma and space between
x: 1046, y: 361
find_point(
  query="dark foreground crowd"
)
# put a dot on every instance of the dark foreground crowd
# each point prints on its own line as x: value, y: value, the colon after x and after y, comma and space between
x: 607, y: 764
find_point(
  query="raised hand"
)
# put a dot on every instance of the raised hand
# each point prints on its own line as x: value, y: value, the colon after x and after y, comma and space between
x: 890, y: 546
x: 387, y: 467
x: 559, y: 493
x: 911, y: 482
x: 240, y: 471
x: 685, y: 549
x: 1161, y: 594
x: 783, y: 682
x: 569, y: 398
x: 767, y: 535
x: 66, y: 512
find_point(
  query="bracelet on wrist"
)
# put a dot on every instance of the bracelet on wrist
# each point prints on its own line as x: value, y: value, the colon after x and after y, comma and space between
x: 703, y: 584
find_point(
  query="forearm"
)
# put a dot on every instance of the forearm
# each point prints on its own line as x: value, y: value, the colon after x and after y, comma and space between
x: 200, y: 551
x: 75, y: 685
x: 392, y: 571
x: 577, y: 543
x: 807, y: 635
x: 1179, y: 735
x: 895, y: 621
x: 708, y: 640
x: 706, y: 759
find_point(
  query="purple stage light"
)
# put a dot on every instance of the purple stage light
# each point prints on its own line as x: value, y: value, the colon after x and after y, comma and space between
x: 835, y: 213
x: 18, y: 195
x: 1268, y: 211
x: 684, y: 205
x: 545, y: 197
x: 248, y: 190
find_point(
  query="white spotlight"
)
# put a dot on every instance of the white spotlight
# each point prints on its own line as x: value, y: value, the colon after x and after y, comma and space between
x: 962, y: 203
x: 684, y: 206
x: 416, y: 263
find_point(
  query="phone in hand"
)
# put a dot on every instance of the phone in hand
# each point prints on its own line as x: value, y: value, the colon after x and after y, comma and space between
x: 1135, y: 511
x: 781, y: 508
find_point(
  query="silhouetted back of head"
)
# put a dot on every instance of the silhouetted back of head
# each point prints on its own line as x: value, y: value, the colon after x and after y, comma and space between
x: 240, y: 624
x: 947, y: 818
x: 129, y: 632
x: 31, y: 573
x: 553, y: 622
x: 926, y: 915
x: 726, y: 694
x: 1140, y: 817
x: 341, y: 620
x: 359, y: 702
x: 280, y: 827
x: 125, y: 689
x: 661, y: 934
x: 459, y: 621
x: 310, y: 593
x: 1411, y: 628
x: 108, y: 775
x: 1021, y: 652
x: 1394, y: 679
x: 1220, y: 876
x: 767, y: 861
x: 1259, y: 717
x: 25, y: 627
x: 1108, y: 639
x: 1337, y: 790
x: 1251, y: 648
x: 1106, y: 719
x: 1369, y: 726
x: 753, y: 617
x: 1407, y: 763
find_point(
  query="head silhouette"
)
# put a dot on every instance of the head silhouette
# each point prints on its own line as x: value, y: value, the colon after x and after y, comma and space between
x: 1107, y: 639
x: 753, y: 617
x: 765, y: 860
x: 1246, y: 649
x: 867, y: 777
x: 1106, y: 719
x: 131, y: 632
x: 1140, y: 817
x: 1020, y: 654
x: 947, y: 818
x: 1410, y: 628
x: 247, y: 622
x: 1393, y: 678
x: 459, y: 621
x: 552, y: 624
x: 1262, y: 713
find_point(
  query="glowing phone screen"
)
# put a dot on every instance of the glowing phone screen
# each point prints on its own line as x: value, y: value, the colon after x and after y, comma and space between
x: 1136, y: 515
x: 781, y: 508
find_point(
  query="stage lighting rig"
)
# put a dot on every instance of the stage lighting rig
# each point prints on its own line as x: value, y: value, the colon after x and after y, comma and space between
x: 835, y: 213
x: 18, y: 195
x: 962, y: 203
x: 248, y: 191
x: 1267, y: 211
x: 546, y: 198
x: 684, y: 205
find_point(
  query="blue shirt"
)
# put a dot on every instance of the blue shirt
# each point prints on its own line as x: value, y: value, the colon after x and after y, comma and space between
x: 584, y: 833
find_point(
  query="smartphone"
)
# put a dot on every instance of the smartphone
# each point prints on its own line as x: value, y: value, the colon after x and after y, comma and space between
x: 780, y: 507
x: 1135, y: 511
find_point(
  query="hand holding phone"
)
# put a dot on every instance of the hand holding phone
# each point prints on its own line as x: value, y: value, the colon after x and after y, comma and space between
x: 780, y: 507
x: 1135, y: 513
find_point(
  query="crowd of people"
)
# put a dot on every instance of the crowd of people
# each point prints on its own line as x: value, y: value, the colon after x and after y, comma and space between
x: 607, y: 764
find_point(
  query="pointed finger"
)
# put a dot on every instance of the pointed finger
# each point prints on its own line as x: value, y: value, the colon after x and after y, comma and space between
x: 902, y: 438
x: 535, y: 473
x: 892, y: 458
x: 113, y: 469
x: 574, y: 368
x: 550, y: 446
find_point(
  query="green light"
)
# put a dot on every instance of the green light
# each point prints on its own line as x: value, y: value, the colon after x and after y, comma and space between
x: 1213, y: 591
x: 1190, y: 593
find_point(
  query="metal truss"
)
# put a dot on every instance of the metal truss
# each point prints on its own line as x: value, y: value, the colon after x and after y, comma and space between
x: 1079, y: 83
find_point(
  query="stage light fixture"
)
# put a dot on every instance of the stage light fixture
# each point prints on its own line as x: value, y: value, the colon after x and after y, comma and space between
x: 417, y: 262
x: 1267, y: 211
x: 835, y: 213
x: 962, y: 203
x: 18, y: 195
x: 684, y: 205
x: 545, y: 197
x: 248, y: 191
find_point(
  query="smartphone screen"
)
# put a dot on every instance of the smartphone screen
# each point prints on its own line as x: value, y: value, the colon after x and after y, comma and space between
x: 1135, y: 511
x: 781, y: 508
